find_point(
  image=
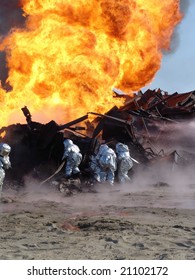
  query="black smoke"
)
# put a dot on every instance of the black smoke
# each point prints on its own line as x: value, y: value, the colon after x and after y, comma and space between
x: 11, y: 16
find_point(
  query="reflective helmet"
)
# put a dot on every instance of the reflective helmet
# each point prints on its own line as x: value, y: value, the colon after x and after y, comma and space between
x: 5, y: 149
x: 67, y: 143
x: 120, y: 147
x: 103, y: 148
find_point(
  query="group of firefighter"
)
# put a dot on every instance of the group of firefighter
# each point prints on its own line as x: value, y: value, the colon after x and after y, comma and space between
x: 102, y: 165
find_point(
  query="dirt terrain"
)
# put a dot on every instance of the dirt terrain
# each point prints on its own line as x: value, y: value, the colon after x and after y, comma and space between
x: 121, y: 222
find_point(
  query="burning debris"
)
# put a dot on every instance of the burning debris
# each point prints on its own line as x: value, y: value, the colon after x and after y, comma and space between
x: 144, y: 123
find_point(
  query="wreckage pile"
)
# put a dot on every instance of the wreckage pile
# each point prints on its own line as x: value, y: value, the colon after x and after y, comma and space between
x: 149, y: 123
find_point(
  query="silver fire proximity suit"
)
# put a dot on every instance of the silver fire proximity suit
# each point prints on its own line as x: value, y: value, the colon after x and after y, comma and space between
x: 95, y: 168
x: 106, y: 160
x: 5, y: 150
x: 72, y: 156
x: 124, y: 162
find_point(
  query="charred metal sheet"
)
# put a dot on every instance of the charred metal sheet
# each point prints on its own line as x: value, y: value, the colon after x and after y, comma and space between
x: 69, y: 124
x: 162, y: 102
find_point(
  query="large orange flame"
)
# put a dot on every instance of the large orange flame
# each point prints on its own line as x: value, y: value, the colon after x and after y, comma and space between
x: 71, y: 54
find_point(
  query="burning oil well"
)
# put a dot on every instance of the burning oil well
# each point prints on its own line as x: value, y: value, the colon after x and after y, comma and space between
x: 63, y: 62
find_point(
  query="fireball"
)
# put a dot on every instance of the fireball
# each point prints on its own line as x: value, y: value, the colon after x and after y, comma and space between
x: 70, y: 55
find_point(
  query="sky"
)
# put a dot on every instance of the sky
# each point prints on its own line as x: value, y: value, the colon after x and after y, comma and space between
x: 177, y: 73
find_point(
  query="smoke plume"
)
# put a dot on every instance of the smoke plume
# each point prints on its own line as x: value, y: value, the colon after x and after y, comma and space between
x: 11, y: 16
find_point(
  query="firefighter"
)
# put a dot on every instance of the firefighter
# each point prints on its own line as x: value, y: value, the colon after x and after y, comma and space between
x: 5, y: 150
x: 94, y: 168
x: 73, y: 158
x: 124, y: 162
x: 106, y: 162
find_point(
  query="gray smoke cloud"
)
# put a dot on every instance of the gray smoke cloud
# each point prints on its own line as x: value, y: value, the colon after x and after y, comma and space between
x: 184, y: 6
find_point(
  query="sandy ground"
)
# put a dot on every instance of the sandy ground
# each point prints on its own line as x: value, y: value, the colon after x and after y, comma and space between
x: 120, y: 222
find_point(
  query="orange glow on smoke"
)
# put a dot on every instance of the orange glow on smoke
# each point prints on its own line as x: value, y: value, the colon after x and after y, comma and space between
x: 71, y: 54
